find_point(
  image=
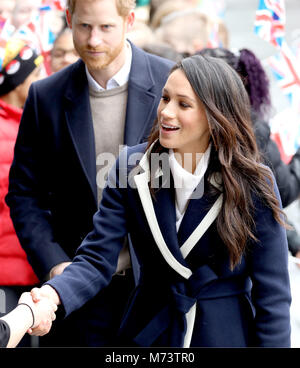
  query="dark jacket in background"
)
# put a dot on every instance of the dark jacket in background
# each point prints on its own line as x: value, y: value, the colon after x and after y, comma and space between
x: 287, y: 176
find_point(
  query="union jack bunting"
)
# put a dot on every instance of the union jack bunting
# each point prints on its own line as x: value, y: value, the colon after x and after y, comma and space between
x: 270, y: 21
x: 286, y: 70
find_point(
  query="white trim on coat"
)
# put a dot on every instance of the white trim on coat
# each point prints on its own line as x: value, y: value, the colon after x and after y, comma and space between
x: 141, y: 181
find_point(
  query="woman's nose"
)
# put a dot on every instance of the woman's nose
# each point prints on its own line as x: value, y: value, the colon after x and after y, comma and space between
x: 168, y: 112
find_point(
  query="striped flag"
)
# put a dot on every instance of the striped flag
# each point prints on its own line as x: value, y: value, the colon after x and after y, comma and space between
x: 270, y: 21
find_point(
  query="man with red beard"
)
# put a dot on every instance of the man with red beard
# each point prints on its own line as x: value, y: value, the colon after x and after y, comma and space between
x: 73, y: 125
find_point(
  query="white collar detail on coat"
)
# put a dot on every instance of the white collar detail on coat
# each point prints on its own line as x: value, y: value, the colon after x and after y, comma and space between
x: 141, y: 181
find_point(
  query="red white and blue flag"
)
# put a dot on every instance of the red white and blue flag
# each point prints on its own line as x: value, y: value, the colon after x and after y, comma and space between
x: 286, y: 70
x: 6, y: 30
x: 53, y: 5
x: 285, y: 125
x: 270, y: 21
x: 38, y: 35
x: 37, y: 32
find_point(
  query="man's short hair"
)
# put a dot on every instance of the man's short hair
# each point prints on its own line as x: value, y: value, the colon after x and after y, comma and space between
x: 123, y: 6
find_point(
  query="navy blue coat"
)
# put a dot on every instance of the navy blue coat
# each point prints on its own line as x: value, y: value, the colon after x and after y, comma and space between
x: 52, y: 189
x: 248, y: 306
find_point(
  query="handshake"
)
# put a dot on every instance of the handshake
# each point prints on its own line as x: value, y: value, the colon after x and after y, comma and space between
x: 34, y: 313
x: 42, y: 303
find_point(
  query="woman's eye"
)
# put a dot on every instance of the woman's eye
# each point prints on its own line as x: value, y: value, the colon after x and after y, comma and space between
x: 185, y: 105
x: 164, y: 98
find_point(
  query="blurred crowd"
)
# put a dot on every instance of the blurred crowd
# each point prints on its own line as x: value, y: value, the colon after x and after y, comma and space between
x: 159, y: 27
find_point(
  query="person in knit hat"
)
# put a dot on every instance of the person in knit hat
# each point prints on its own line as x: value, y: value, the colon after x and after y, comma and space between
x: 21, y: 66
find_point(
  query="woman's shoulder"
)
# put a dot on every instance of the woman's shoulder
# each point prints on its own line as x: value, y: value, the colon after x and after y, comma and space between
x: 138, y: 148
x: 130, y: 156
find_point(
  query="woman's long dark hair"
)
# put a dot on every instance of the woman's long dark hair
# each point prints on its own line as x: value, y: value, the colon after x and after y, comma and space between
x: 234, y: 151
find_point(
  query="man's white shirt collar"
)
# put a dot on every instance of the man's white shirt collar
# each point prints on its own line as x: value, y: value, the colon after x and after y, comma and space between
x: 119, y: 79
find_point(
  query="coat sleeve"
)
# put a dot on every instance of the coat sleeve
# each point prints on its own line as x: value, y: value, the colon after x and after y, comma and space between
x: 96, y: 258
x: 269, y: 272
x: 28, y: 194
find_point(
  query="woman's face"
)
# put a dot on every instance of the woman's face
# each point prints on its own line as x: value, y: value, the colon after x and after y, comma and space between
x: 183, y: 124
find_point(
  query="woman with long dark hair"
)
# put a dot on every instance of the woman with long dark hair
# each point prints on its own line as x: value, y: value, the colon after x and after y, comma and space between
x: 205, y: 221
x: 257, y: 84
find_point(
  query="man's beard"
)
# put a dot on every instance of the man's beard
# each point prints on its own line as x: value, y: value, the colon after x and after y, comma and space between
x: 99, y: 62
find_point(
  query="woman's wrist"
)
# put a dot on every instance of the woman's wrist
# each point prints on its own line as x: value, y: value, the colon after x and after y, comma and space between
x: 29, y: 311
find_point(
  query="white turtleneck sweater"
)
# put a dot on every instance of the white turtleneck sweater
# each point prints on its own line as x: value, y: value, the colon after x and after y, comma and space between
x: 185, y: 182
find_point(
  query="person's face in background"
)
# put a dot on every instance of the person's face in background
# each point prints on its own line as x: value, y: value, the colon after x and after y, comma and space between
x: 99, y: 33
x: 63, y: 52
x: 24, y: 11
x: 6, y: 8
x: 183, y: 124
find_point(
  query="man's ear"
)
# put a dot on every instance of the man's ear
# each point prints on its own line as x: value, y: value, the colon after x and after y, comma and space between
x: 130, y: 20
x: 69, y: 18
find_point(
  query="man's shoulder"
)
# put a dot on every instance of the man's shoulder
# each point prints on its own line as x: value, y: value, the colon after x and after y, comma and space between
x: 60, y: 79
x: 155, y: 61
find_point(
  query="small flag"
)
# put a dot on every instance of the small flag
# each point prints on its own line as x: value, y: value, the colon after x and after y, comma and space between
x: 53, y: 5
x: 286, y: 70
x: 38, y: 35
x: 270, y: 21
x: 6, y: 30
